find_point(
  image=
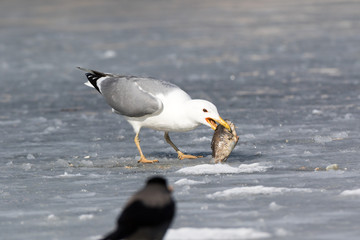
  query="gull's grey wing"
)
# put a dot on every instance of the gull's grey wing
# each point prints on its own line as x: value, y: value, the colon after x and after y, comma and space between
x: 128, y: 98
x: 129, y: 95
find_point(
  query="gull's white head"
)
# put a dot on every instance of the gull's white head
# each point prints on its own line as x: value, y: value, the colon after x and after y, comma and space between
x: 204, y: 112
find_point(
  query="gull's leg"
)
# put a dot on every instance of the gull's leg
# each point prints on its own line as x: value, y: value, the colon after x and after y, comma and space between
x: 142, y: 157
x: 181, y: 155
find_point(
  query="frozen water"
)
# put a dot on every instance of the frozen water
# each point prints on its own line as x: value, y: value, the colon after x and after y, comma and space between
x: 287, y: 74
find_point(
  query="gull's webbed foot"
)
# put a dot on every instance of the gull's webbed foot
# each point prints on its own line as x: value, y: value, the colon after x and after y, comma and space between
x: 144, y: 160
x: 182, y: 156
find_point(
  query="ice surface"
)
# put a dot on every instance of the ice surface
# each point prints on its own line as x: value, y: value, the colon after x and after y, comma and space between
x: 286, y: 74
x: 215, y: 233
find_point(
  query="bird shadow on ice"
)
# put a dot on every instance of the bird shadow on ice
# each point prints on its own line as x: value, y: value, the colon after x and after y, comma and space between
x: 240, y: 157
x: 207, y: 156
x: 158, y: 154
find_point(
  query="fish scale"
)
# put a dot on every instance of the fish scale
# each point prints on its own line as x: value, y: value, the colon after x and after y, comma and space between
x: 223, y: 142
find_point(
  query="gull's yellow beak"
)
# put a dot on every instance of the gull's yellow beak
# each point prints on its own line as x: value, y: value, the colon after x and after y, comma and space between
x: 221, y: 121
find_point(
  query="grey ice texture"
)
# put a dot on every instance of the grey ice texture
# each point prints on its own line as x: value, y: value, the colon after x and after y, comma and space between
x: 285, y: 72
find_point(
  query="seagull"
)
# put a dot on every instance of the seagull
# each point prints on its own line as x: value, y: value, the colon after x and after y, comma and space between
x: 155, y: 104
x: 148, y: 214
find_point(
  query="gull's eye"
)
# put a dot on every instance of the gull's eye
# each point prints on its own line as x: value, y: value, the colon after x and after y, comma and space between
x: 205, y: 110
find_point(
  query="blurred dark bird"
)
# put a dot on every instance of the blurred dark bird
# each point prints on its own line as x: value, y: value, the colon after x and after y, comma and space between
x: 148, y: 214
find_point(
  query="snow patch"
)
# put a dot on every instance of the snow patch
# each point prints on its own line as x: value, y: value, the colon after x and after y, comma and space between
x: 30, y: 157
x: 273, y: 206
x: 322, y: 139
x: 317, y: 112
x: 10, y: 122
x: 254, y: 190
x: 61, y: 163
x: 326, y: 71
x: 185, y: 181
x: 97, y: 237
x: 10, y: 163
x: 86, y: 163
x: 333, y: 137
x: 348, y: 116
x: 203, y: 139
x: 66, y: 174
x: 339, y: 135
x: 355, y: 192
x: 26, y: 166
x: 85, y: 217
x: 215, y: 233
x: 109, y: 54
x: 52, y: 217
x: 222, y: 168
x: 280, y: 232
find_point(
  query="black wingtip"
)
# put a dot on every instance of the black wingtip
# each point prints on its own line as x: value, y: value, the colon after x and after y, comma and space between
x: 93, y: 76
x: 97, y: 73
x: 93, y: 79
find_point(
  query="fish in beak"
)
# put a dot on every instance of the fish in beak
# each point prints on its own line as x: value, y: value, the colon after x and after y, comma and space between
x: 221, y: 121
